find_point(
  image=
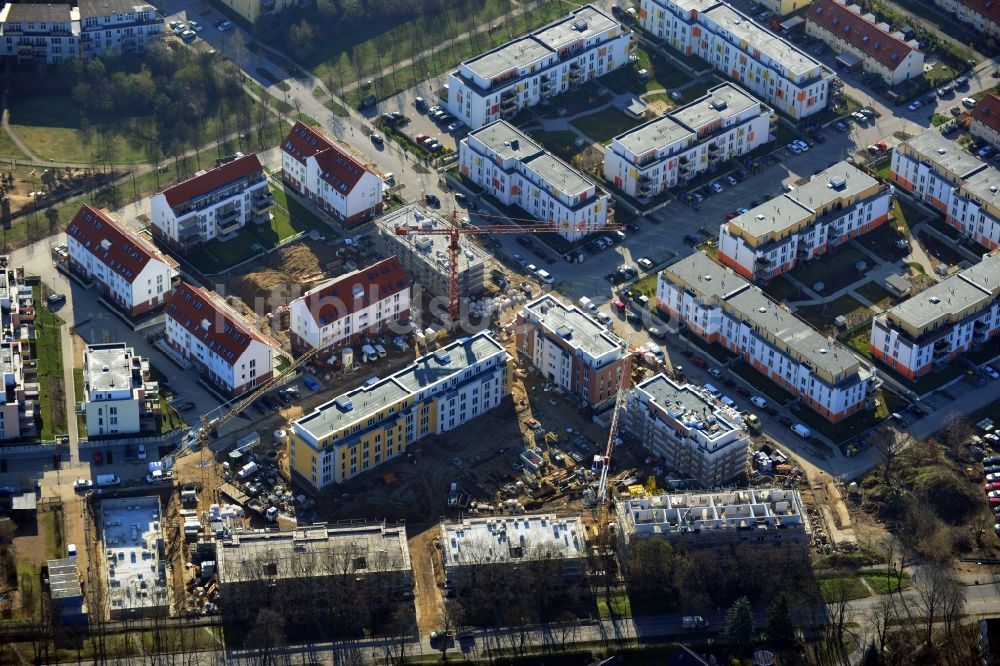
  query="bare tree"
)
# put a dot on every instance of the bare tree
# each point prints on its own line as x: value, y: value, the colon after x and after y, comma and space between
x: 879, y: 619
x: 939, y: 597
x: 957, y: 433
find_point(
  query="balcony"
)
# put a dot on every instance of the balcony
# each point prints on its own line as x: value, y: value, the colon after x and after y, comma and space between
x: 508, y: 104
x: 263, y: 201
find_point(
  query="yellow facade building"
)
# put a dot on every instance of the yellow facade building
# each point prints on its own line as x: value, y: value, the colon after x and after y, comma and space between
x: 364, y: 427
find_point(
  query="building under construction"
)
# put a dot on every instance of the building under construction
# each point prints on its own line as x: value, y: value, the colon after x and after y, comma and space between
x: 425, y: 257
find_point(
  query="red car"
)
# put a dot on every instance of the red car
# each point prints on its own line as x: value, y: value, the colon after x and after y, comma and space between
x: 990, y: 487
x: 98, y: 458
x: 699, y: 361
x: 422, y: 137
x: 994, y: 501
x: 619, y: 305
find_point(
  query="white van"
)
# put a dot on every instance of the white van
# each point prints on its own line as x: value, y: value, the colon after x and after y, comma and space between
x: 545, y: 276
x: 380, y: 350
x: 108, y: 480
x: 759, y: 401
x: 712, y: 390
x: 588, y: 304
x: 801, y: 431
x: 369, y: 353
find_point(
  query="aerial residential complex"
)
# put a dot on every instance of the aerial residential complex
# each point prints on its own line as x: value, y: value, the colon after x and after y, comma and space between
x: 984, y: 120
x: 204, y: 330
x: 767, y: 515
x: 583, y: 45
x: 297, y: 562
x: 573, y: 350
x: 837, y: 204
x: 942, y: 174
x: 53, y: 33
x: 117, y: 396
x: 19, y: 395
x: 365, y: 302
x: 512, y: 167
x: 336, y: 181
x: 767, y: 65
x: 425, y: 257
x: 719, y: 306
x: 129, y: 270
x: 983, y: 15
x: 927, y: 331
x: 377, y: 421
x: 673, y: 149
x: 474, y: 545
x: 687, y: 427
x: 862, y: 40
x: 213, y: 204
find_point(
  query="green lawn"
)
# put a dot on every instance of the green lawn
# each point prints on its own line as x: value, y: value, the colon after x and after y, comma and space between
x: 170, y: 420
x: 81, y: 422
x: 646, y: 285
x: 48, y: 352
x: 662, y: 75
x: 938, y: 74
x: 835, y: 269
x: 50, y: 523
x: 876, y: 294
x: 860, y: 340
x: 939, y: 119
x: 842, y: 588
x: 8, y: 148
x: 887, y: 581
x: 784, y: 290
x: 28, y: 603
x: 882, y: 241
x: 823, y: 316
x: 905, y: 214
x: 604, y: 125
x: 618, y: 606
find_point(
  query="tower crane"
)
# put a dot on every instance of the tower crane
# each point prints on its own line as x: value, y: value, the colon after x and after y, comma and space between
x: 601, y: 495
x: 456, y: 231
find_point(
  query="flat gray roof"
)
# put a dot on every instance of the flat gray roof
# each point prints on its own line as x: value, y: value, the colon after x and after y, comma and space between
x: 327, y: 548
x: 111, y: 7
x: 840, y: 181
x: 959, y: 292
x: 935, y: 148
x: 653, y: 135
x: 507, y: 141
x: 108, y: 367
x: 985, y: 185
x: 515, y: 54
x: 559, y: 174
x: 712, y: 281
x: 425, y: 371
x: 685, y: 404
x: 722, y: 101
x: 700, y: 5
x: 567, y: 30
x: 64, y: 580
x: 579, y: 330
x: 799, y: 336
x: 777, y: 49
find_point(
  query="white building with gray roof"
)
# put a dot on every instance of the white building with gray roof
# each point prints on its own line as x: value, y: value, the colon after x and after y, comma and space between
x: 671, y: 150
x: 929, y: 330
x: 572, y: 349
x: 584, y: 44
x: 719, y: 306
x: 515, y: 169
x: 837, y: 204
x: 767, y: 65
x: 943, y: 174
x: 117, y: 393
x: 696, y: 435
x: 379, y: 419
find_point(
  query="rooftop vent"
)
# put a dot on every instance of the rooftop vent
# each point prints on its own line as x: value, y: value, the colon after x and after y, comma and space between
x: 514, y: 144
x: 717, y: 104
x: 822, y: 350
x: 205, y: 324
x: 762, y: 309
x: 105, y: 245
x: 838, y: 182
x: 565, y: 332
x: 934, y: 299
x: 344, y: 402
x: 993, y: 189
x: 580, y: 25
x: 442, y: 356
x: 708, y: 278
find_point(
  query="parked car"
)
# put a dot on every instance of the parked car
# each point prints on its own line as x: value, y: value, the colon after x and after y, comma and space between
x: 991, y: 372
x: 455, y: 126
x: 794, y: 149
x: 692, y: 240
x: 914, y: 105
x: 377, y: 139
x: 311, y: 383
x: 968, y: 102
x: 56, y: 298
x: 645, y: 262
x: 432, y: 200
x: 803, y: 146
x: 716, y: 187
x: 81, y: 485
x: 185, y: 406
x: 420, y: 104
x: 731, y: 180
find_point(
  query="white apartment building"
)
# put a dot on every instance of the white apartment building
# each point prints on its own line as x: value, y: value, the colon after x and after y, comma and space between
x: 129, y: 271
x: 583, y: 45
x: 509, y: 165
x: 119, y: 26
x: 838, y: 204
x: 770, y: 67
x: 116, y: 391
x: 928, y: 331
x: 942, y: 174
x: 362, y: 303
x: 473, y: 545
x: 846, y: 28
x: 694, y: 434
x: 720, y: 306
x: 332, y: 178
x: 377, y: 421
x: 213, y: 204
x: 673, y: 149
x: 224, y: 346
x: 757, y: 515
x: 19, y: 389
x: 425, y: 257
x: 53, y: 33
x: 573, y: 350
x: 983, y: 15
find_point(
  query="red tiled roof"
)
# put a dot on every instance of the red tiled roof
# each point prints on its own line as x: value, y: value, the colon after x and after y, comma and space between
x: 212, y: 180
x: 987, y: 112
x: 337, y: 168
x: 226, y: 333
x: 330, y: 302
x: 988, y: 8
x: 859, y: 33
x: 120, y: 250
